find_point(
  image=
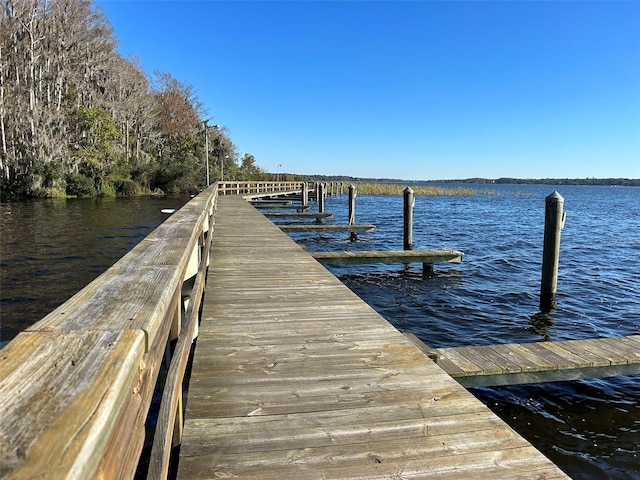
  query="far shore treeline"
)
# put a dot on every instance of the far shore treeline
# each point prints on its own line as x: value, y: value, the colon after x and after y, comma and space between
x: 79, y: 120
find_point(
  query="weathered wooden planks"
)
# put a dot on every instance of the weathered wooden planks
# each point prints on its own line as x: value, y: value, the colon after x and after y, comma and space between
x: 475, y: 366
x: 61, y: 395
x: 274, y: 203
x: 327, y: 228
x: 315, y: 215
x: 388, y: 257
x: 276, y: 206
x: 295, y: 377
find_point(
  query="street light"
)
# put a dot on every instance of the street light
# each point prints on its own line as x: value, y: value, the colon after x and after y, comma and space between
x: 206, y: 147
x: 278, y: 172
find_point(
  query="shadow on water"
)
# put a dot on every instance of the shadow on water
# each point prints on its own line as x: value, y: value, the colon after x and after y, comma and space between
x: 541, y: 324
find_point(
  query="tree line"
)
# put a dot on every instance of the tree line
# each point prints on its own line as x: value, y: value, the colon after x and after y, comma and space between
x: 78, y: 119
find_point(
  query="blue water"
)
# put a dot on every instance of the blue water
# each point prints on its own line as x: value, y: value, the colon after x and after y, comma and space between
x: 591, y: 428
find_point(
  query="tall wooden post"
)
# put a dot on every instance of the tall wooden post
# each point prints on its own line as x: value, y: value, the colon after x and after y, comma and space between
x: 320, y: 197
x: 409, y: 202
x: 352, y: 211
x: 553, y: 223
x: 352, y: 204
x: 304, y: 195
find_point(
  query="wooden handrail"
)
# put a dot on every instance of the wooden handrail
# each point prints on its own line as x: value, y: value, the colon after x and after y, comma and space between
x: 170, y: 418
x: 257, y: 188
x: 76, y: 387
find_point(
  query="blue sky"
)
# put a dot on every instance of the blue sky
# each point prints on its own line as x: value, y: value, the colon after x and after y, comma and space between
x: 412, y: 90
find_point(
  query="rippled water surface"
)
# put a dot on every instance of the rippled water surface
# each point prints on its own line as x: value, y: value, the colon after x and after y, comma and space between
x: 591, y: 428
x: 50, y: 249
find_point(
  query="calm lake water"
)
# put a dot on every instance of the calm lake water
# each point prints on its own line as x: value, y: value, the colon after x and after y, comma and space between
x: 591, y: 428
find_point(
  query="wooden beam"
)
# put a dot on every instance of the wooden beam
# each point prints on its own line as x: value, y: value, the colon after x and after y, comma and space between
x: 271, y: 203
x: 327, y: 228
x: 278, y: 206
x: 298, y: 215
x: 388, y: 257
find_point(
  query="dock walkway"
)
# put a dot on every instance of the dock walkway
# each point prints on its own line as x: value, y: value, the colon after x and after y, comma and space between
x: 295, y: 377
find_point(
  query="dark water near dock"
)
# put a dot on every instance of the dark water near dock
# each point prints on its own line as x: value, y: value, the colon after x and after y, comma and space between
x: 50, y: 249
x: 590, y: 428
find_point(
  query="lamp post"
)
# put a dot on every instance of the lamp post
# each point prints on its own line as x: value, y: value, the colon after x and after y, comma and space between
x: 206, y: 148
x: 218, y: 129
x: 278, y: 172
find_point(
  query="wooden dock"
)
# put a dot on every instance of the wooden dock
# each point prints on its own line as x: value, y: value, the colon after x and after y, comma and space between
x: 387, y: 257
x: 295, y: 377
x: 426, y: 257
x: 275, y: 206
x: 327, y: 228
x: 509, y: 364
x: 301, y: 215
x: 273, y: 203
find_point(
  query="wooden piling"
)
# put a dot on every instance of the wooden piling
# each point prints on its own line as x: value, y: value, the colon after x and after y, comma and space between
x: 553, y: 224
x: 320, y: 197
x: 352, y: 211
x: 409, y: 202
x: 304, y: 194
x: 352, y: 204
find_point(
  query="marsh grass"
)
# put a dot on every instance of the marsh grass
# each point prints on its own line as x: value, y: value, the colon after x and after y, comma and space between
x: 388, y: 189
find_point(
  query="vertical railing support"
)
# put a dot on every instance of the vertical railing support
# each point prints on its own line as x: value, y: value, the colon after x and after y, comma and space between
x: 553, y: 224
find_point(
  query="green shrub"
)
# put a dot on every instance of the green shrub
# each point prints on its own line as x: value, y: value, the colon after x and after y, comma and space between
x: 126, y: 188
x: 80, y: 186
x: 105, y: 188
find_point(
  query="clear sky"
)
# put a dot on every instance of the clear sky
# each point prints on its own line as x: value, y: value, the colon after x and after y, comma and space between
x: 414, y: 90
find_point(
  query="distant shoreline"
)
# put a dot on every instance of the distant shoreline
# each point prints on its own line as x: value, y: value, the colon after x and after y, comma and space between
x: 629, y: 182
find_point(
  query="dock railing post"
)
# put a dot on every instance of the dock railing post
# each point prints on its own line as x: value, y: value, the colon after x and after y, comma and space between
x: 553, y: 224
x: 352, y: 211
x: 409, y: 202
